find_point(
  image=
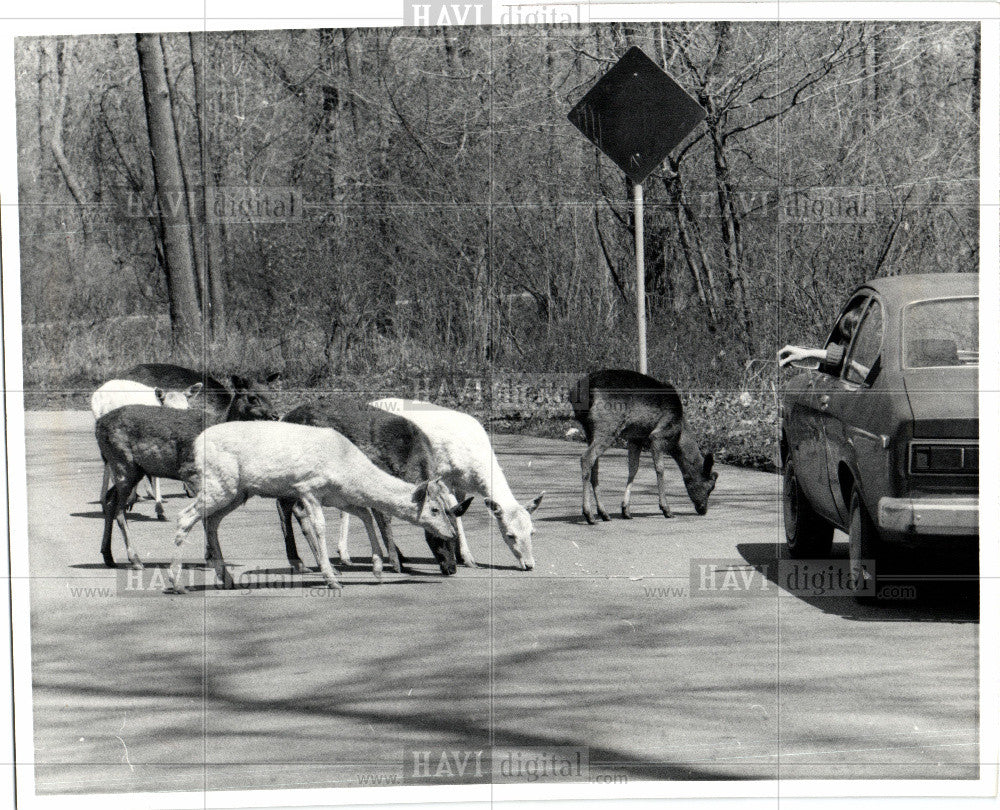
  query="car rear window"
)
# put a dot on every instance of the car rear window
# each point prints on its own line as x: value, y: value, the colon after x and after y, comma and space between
x: 941, y: 332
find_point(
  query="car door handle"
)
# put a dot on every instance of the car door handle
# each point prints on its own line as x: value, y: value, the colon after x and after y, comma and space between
x: 824, y: 402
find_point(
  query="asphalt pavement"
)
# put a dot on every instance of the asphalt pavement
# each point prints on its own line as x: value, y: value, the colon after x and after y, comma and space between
x: 654, y: 648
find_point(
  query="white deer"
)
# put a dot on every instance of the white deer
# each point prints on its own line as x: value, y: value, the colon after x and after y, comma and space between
x: 465, y: 460
x: 318, y: 467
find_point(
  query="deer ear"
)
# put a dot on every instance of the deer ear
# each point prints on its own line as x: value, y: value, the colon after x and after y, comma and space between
x: 273, y: 378
x: 535, y: 503
x: 493, y: 506
x: 238, y: 382
x: 706, y: 468
x: 420, y: 493
x: 459, y: 509
x: 159, y: 394
x: 193, y: 390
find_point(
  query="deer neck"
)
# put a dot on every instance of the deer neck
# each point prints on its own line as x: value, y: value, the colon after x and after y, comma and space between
x: 494, y: 485
x: 390, y: 496
x: 687, y: 454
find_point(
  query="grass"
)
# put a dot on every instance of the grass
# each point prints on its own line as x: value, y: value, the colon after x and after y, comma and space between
x: 63, y: 364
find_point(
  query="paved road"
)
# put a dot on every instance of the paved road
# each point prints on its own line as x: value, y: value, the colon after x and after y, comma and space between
x: 609, y: 644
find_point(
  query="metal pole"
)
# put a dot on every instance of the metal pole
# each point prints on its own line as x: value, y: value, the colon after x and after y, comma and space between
x: 640, y: 275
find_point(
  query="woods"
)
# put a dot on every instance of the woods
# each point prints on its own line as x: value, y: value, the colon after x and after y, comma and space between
x: 401, y: 202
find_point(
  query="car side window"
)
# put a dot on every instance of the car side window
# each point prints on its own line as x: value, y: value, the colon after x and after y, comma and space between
x: 866, y: 347
x: 842, y: 334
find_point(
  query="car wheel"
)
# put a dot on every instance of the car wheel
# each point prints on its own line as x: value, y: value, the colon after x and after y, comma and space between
x: 808, y: 535
x: 863, y: 544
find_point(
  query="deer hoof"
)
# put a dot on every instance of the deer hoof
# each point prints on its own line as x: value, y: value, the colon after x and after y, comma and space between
x: 298, y: 567
x: 109, y: 561
x: 161, y: 515
x: 603, y: 515
x: 666, y: 512
x: 589, y: 518
x: 175, y: 588
x: 626, y: 513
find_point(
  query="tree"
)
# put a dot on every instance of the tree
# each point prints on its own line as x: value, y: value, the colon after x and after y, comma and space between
x: 172, y: 208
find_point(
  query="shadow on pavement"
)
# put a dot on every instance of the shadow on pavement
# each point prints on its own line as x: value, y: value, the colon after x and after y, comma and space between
x: 131, y: 517
x: 936, y: 601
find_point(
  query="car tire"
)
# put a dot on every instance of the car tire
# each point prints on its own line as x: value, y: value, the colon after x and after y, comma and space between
x: 808, y: 535
x: 864, y: 547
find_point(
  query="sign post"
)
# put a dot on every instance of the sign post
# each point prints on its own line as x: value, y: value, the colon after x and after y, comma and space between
x: 640, y: 275
x: 636, y: 114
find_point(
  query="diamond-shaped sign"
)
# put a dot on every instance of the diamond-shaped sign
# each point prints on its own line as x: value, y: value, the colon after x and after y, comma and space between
x: 636, y: 114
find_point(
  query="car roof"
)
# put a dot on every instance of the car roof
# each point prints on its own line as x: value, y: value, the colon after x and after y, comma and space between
x: 899, y: 290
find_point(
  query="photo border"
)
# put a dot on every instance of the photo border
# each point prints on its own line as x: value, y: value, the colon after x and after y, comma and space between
x: 109, y: 17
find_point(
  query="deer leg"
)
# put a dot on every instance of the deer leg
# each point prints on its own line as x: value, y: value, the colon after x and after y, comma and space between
x: 315, y: 531
x: 634, y: 453
x: 660, y: 457
x: 345, y: 525
x: 186, y: 521
x: 463, y: 542
x: 285, y: 509
x: 366, y: 517
x: 598, y: 445
x: 594, y: 483
x: 155, y: 485
x: 133, y: 497
x: 105, y: 481
x: 111, y: 504
x: 114, y: 512
x: 212, y: 541
x: 385, y: 527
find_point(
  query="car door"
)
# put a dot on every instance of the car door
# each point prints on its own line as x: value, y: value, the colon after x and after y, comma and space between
x: 848, y: 407
x: 810, y: 413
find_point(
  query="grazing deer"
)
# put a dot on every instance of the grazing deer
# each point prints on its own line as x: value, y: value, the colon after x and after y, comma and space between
x: 215, y: 397
x: 140, y: 440
x: 315, y: 467
x: 116, y: 394
x: 395, y: 445
x: 464, y: 458
x: 619, y: 404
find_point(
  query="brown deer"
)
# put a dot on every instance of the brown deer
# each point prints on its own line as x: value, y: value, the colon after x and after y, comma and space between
x: 140, y: 440
x: 618, y: 404
x: 395, y: 445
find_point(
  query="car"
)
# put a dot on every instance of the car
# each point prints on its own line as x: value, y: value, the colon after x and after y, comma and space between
x: 880, y: 437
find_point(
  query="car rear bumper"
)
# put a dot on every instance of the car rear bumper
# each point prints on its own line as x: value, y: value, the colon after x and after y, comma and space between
x: 955, y: 515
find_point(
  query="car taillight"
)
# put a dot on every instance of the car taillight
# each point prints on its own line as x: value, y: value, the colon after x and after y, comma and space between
x: 944, y: 458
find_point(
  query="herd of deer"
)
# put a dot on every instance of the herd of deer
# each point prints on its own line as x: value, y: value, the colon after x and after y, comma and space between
x: 388, y: 458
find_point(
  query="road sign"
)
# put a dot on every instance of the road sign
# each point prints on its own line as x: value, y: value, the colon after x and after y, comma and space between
x: 636, y: 114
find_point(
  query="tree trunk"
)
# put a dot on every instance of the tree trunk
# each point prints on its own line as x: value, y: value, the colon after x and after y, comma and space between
x: 215, y: 289
x: 191, y: 185
x: 56, y: 136
x: 976, y: 69
x: 172, y: 208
